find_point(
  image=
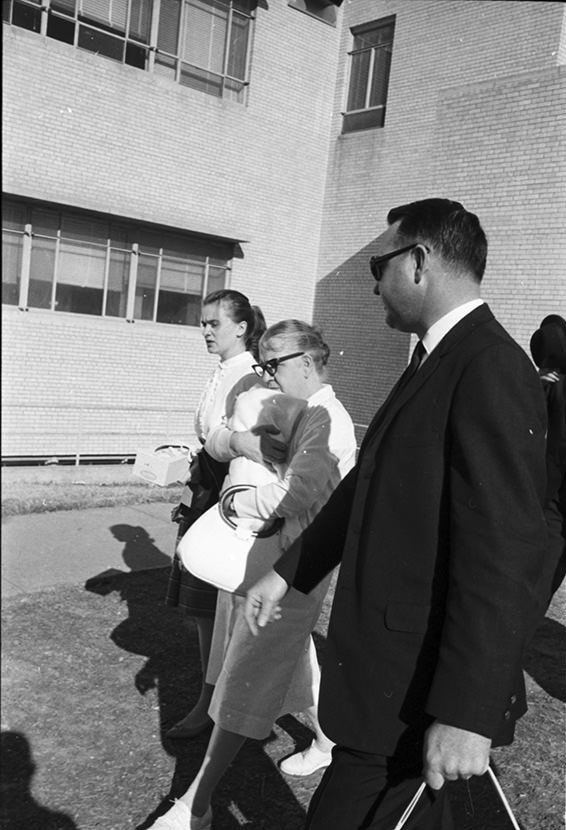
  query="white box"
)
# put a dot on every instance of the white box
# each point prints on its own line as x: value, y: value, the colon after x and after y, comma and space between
x: 162, y: 466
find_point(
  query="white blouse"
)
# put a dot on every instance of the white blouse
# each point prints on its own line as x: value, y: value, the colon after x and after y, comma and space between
x: 211, y: 409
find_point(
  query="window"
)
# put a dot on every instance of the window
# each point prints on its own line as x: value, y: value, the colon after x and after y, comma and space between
x: 203, y: 44
x: 370, y: 61
x: 83, y: 263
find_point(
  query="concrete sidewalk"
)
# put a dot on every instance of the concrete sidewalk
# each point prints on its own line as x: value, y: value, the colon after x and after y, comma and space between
x: 70, y: 546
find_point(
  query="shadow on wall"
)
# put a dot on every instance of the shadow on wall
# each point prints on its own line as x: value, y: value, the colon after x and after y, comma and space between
x: 367, y: 356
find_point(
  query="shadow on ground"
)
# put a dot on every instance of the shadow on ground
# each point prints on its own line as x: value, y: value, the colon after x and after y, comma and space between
x: 19, y: 808
x: 253, y: 791
x: 93, y: 679
x: 545, y: 659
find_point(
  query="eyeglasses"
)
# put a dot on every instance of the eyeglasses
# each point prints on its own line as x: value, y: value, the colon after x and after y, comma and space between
x: 271, y: 366
x: 376, y: 261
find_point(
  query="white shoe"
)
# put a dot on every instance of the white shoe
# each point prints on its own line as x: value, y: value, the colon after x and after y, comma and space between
x: 180, y: 817
x: 306, y: 762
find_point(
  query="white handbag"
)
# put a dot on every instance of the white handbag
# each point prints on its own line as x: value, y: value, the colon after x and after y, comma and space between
x: 231, y: 554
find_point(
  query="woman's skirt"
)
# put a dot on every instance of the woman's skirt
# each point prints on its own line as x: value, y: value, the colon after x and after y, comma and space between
x: 259, y: 678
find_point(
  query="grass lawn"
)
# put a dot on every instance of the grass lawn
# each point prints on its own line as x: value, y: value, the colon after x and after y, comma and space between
x: 47, y: 489
x: 93, y: 675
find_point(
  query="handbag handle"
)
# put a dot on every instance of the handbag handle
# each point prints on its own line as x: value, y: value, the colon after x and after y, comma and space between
x: 172, y: 446
x: 270, y: 530
x: 412, y: 804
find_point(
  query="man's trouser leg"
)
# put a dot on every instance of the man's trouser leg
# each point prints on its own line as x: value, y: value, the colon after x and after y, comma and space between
x: 360, y: 791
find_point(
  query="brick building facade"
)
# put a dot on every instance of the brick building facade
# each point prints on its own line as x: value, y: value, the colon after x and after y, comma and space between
x: 267, y: 178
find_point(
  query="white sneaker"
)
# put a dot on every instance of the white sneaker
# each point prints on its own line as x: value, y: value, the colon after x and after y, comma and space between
x: 305, y: 762
x: 180, y: 817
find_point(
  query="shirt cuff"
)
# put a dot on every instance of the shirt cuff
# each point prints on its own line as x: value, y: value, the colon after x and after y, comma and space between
x: 219, y: 447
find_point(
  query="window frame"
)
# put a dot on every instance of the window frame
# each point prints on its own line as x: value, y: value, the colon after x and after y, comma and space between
x: 351, y: 116
x: 228, y: 86
x: 193, y: 251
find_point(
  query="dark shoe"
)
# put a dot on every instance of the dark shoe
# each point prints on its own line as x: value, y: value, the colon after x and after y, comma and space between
x: 181, y: 730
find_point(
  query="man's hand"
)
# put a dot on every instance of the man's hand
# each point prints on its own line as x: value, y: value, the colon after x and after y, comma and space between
x: 261, y: 445
x: 262, y: 601
x: 450, y: 753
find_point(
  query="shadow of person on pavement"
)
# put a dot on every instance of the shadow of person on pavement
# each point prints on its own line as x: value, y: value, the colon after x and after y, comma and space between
x: 140, y: 551
x: 19, y: 810
x: 151, y: 628
x: 172, y: 670
x: 157, y: 632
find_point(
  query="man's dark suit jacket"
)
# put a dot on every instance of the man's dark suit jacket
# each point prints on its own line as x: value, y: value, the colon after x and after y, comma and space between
x: 440, y: 532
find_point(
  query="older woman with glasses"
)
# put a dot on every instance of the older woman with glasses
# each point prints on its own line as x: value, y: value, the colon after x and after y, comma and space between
x: 258, y: 679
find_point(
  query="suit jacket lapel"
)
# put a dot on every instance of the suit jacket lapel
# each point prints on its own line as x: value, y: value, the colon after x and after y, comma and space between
x: 396, y: 399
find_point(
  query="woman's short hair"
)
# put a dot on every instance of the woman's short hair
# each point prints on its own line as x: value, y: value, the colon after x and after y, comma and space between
x: 238, y: 308
x: 451, y: 230
x: 297, y: 336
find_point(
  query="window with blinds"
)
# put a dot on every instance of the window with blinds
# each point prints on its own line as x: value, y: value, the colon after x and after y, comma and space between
x: 87, y: 264
x: 203, y: 44
x: 370, y: 62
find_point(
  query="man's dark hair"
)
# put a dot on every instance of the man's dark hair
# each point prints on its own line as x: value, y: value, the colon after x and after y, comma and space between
x: 448, y: 228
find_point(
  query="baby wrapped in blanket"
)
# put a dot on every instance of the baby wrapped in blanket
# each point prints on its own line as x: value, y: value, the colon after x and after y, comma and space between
x: 257, y: 410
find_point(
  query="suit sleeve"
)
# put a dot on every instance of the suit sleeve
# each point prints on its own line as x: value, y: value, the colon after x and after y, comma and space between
x: 495, y: 490
x: 318, y: 550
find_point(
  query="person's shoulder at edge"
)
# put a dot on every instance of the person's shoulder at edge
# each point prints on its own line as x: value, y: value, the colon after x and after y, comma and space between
x: 489, y: 334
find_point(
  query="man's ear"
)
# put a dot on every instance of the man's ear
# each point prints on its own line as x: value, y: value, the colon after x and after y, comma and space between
x: 419, y: 258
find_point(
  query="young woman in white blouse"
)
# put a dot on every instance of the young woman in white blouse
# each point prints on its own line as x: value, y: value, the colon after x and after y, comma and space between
x: 231, y: 328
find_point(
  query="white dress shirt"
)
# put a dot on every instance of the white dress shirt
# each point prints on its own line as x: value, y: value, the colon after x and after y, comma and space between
x: 441, y: 328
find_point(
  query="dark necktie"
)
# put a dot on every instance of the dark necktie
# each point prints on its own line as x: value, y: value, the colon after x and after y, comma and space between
x: 418, y: 353
x: 416, y: 358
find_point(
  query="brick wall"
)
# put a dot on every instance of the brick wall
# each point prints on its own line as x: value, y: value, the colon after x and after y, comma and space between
x: 85, y: 131
x: 476, y: 112
x: 74, y: 383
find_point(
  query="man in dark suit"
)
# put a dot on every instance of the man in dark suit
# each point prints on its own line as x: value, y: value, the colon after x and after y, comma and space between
x: 440, y: 533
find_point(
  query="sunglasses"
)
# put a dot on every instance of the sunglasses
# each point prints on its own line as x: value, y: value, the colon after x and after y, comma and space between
x: 270, y: 366
x: 376, y: 262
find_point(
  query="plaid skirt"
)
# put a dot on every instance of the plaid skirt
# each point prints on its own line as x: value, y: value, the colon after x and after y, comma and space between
x: 194, y: 596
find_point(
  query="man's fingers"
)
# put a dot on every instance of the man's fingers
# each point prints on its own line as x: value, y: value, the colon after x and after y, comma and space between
x: 451, y: 753
x: 434, y: 780
x: 262, y: 601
